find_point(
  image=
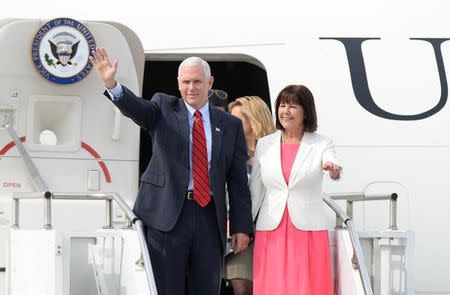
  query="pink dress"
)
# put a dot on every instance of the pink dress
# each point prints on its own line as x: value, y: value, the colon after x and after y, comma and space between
x: 288, y: 261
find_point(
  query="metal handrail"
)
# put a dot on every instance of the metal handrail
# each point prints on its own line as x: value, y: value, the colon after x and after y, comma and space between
x: 361, y: 265
x: 36, y: 177
x: 146, y: 256
x: 43, y: 192
x: 130, y: 218
x: 358, y: 197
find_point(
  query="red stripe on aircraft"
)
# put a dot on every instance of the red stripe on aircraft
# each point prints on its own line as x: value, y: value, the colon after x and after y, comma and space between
x: 10, y: 145
x: 102, y: 164
x: 84, y: 145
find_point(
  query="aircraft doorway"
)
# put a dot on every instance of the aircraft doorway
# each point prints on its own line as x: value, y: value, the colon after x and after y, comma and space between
x: 238, y: 77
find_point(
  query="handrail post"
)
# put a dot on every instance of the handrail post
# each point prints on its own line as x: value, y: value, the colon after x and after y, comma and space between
x: 47, y: 210
x: 350, y: 209
x: 393, y: 212
x: 140, y: 261
x: 339, y: 223
x: 127, y: 223
x: 108, y: 214
x: 15, y: 213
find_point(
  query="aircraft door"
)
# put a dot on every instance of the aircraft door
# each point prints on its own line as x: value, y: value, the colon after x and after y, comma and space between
x: 53, y: 99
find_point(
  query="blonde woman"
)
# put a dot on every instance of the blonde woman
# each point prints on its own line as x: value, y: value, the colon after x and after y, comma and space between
x: 257, y: 122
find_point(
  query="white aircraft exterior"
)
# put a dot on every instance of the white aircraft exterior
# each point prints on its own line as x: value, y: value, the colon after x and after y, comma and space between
x: 378, y: 71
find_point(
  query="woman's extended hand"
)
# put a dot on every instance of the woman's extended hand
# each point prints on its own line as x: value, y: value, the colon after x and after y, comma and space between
x: 333, y: 169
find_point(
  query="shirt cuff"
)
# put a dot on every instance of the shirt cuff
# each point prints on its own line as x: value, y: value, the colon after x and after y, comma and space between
x: 116, y: 92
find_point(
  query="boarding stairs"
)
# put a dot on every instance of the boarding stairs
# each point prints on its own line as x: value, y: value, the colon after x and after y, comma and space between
x: 115, y: 260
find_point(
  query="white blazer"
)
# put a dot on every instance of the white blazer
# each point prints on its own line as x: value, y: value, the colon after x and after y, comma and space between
x: 303, y: 195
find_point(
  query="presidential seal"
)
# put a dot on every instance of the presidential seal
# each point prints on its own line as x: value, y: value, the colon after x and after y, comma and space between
x: 61, y: 50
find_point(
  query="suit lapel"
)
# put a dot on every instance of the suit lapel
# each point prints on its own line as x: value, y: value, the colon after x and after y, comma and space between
x: 302, y: 154
x: 182, y: 115
x: 216, y: 135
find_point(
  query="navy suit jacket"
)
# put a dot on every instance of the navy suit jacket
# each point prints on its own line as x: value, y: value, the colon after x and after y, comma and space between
x: 164, y: 183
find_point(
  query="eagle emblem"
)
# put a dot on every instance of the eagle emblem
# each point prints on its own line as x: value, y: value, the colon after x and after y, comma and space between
x: 60, y: 51
x: 64, y: 47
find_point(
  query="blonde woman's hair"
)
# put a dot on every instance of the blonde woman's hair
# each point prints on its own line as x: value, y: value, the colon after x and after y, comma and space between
x: 257, y: 112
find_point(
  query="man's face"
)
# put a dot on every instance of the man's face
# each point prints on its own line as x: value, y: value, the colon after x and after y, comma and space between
x: 194, y: 85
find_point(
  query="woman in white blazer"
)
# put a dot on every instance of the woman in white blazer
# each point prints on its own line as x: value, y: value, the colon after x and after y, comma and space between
x: 291, y: 251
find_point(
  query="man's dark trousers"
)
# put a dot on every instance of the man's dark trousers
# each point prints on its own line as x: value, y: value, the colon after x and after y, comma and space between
x: 186, y: 245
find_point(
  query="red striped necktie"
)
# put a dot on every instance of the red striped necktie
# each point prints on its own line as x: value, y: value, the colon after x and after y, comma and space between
x: 200, y: 162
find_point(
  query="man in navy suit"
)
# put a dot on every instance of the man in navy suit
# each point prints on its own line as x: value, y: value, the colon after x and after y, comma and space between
x: 185, y: 234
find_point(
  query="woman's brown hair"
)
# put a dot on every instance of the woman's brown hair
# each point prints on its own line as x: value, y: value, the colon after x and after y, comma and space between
x: 301, y: 95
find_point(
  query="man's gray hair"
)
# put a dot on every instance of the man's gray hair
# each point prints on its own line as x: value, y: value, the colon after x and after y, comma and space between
x: 194, y: 61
